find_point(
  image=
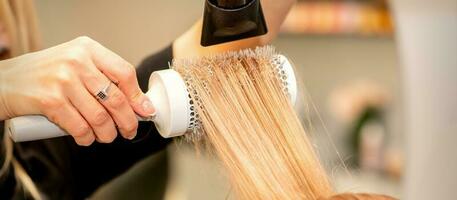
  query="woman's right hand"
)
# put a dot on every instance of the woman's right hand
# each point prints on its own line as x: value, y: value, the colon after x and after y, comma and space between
x: 61, y: 83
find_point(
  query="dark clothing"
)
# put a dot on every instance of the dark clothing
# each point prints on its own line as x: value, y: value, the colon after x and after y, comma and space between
x: 63, y: 170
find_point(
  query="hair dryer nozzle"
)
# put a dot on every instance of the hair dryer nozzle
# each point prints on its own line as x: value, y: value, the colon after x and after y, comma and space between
x: 225, y: 21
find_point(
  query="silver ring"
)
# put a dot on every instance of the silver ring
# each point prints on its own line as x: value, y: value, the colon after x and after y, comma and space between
x: 103, y: 93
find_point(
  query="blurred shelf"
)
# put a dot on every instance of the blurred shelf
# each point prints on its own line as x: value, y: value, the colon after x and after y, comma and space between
x: 362, y: 18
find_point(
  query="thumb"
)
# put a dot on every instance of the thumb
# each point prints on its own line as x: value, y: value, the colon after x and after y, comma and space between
x: 142, y: 105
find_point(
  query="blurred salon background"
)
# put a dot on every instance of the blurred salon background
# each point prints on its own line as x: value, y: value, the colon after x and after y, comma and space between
x: 347, y: 57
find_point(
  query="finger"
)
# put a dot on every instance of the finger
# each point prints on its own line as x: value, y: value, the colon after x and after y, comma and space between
x: 123, y: 74
x: 69, y: 119
x: 94, y: 113
x: 115, y: 103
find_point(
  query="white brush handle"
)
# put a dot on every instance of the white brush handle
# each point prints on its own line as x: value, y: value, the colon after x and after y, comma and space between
x: 32, y: 127
x: 35, y: 127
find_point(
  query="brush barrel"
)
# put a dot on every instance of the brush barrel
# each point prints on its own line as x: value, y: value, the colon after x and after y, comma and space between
x: 168, y: 94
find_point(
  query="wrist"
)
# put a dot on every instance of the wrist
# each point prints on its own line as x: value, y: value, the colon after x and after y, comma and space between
x: 4, y: 114
x: 2, y: 85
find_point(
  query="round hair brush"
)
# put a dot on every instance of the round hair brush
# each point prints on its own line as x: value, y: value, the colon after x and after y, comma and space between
x: 175, y: 113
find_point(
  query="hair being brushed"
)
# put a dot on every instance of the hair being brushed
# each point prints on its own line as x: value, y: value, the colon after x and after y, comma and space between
x: 249, y: 122
x: 246, y: 118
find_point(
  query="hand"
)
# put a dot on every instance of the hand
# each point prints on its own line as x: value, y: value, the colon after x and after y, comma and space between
x: 61, y: 83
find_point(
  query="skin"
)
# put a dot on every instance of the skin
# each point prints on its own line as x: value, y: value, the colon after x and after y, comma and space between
x: 60, y: 83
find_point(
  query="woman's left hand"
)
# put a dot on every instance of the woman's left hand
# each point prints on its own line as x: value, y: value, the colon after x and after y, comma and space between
x: 63, y: 83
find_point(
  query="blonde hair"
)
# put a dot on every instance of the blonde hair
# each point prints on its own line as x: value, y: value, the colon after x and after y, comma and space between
x: 361, y: 196
x: 247, y: 119
x: 19, y: 20
x: 252, y: 127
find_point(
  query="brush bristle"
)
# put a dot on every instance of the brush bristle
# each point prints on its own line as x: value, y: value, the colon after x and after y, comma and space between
x: 259, y: 53
x: 191, y: 71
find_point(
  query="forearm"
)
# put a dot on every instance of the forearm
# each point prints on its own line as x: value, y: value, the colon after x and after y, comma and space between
x: 188, y: 44
x: 3, y: 108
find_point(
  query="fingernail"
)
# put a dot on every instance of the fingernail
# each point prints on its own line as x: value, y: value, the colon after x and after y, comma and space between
x: 132, y: 136
x: 152, y: 116
x: 148, y: 107
x: 87, y: 139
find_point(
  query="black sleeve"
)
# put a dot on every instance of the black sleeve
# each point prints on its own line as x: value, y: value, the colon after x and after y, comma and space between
x: 7, y: 180
x: 153, y: 63
x: 63, y: 170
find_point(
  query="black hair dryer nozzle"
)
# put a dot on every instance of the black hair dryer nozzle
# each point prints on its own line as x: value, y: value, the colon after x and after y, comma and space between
x: 230, y: 20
